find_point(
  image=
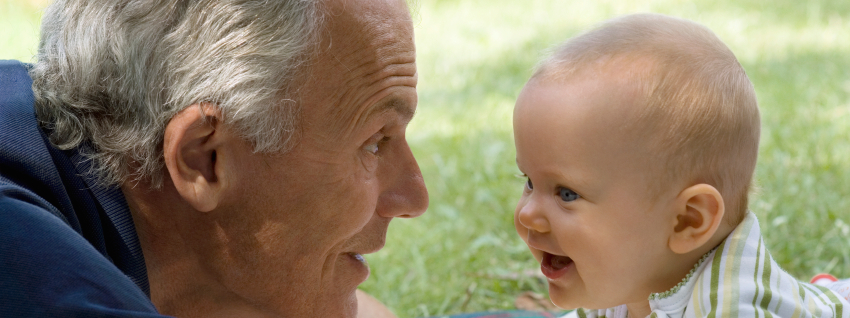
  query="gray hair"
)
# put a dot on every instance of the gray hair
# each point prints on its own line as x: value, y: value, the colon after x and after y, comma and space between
x: 110, y: 74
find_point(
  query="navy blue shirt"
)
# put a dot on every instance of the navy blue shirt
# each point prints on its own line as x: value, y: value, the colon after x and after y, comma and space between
x: 68, y: 247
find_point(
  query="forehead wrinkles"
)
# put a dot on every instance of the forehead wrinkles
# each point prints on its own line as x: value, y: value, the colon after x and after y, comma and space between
x: 367, y: 52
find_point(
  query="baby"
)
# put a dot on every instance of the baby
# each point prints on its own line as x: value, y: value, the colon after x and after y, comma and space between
x: 639, y: 141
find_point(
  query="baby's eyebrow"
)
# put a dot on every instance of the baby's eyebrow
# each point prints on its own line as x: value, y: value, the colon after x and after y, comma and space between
x: 563, y: 180
x: 575, y: 183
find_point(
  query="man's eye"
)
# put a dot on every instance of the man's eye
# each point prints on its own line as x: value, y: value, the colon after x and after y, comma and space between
x: 372, y: 148
x: 375, y: 143
x: 567, y: 195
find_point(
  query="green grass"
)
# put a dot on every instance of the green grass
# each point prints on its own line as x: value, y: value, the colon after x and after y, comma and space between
x: 474, y: 57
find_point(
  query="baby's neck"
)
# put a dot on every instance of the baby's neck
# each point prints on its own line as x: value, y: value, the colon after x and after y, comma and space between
x: 680, y: 266
x: 639, y: 309
x: 673, y: 276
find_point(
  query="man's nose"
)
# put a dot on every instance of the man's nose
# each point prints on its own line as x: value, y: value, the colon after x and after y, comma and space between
x: 531, y: 216
x: 404, y: 195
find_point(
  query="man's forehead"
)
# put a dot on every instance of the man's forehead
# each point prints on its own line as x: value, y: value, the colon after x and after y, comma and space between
x: 365, y: 10
x: 366, y: 63
x: 354, y: 25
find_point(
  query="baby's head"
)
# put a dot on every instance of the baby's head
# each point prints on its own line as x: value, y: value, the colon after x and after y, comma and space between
x: 639, y: 140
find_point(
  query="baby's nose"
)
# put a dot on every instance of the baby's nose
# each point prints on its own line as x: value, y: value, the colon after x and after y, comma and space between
x: 532, y: 217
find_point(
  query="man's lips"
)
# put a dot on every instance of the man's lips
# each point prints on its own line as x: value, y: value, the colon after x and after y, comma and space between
x: 358, y: 253
x: 359, y: 257
x: 555, y: 266
x: 363, y: 250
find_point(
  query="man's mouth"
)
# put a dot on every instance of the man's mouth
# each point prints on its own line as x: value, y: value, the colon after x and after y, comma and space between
x: 555, y: 266
x: 358, y: 264
x: 359, y: 258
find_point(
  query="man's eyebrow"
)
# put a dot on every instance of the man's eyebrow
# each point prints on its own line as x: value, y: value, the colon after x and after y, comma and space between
x: 396, y: 104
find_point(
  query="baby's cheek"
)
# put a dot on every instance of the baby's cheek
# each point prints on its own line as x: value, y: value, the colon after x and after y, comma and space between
x: 521, y: 230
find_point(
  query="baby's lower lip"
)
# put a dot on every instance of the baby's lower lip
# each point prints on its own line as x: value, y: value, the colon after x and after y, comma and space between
x: 555, y: 266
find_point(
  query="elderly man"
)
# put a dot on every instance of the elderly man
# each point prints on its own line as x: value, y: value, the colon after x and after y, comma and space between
x: 205, y: 158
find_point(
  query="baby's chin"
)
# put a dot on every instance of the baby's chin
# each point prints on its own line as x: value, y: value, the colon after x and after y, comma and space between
x: 564, y: 299
x: 571, y: 305
x: 565, y: 305
x: 570, y: 302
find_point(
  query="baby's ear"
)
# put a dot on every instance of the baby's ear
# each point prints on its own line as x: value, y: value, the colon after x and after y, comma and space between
x: 699, y: 213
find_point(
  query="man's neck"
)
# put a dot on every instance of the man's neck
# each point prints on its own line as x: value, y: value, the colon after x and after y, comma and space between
x: 181, y: 285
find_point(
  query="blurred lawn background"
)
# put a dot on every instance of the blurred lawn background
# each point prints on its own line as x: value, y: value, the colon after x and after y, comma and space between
x: 474, y: 57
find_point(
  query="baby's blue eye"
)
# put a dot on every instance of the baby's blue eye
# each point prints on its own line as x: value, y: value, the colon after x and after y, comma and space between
x: 568, y: 195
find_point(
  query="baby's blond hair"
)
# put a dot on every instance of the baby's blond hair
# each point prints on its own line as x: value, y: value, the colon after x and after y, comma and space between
x: 698, y: 109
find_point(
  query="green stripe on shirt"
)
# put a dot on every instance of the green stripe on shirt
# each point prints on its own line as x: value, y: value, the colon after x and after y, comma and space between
x: 756, y: 278
x: 715, y: 279
x: 765, y: 279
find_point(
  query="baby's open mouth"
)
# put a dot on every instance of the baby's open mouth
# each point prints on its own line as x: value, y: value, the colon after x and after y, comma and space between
x: 554, y: 266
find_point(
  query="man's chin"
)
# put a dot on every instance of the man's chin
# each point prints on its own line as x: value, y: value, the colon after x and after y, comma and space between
x: 349, y: 271
x: 343, y: 305
x: 350, y: 309
x: 342, y: 298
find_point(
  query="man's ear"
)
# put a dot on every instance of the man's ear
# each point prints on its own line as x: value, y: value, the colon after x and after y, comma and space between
x: 191, y: 148
x: 699, y: 213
